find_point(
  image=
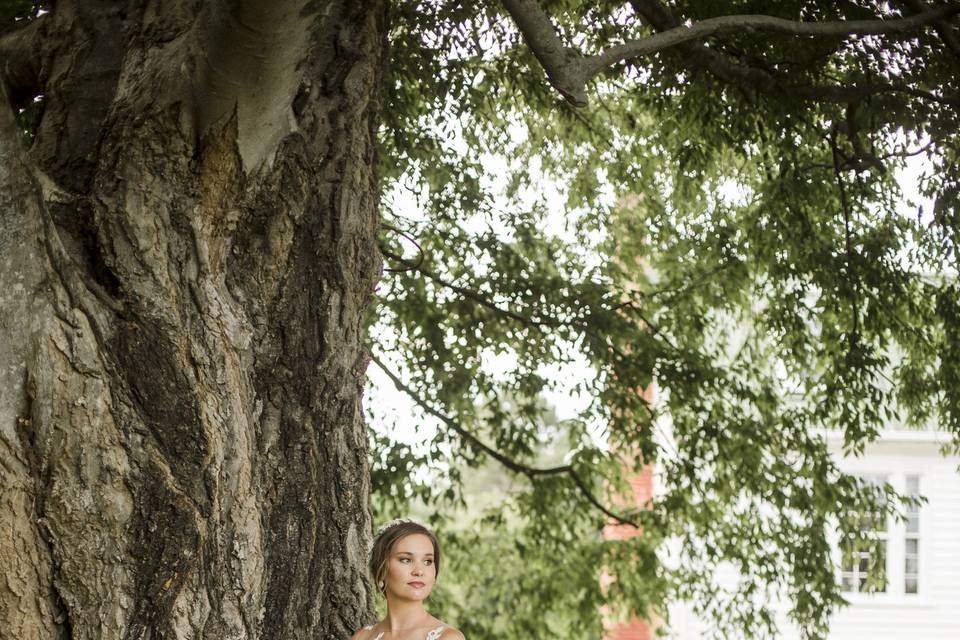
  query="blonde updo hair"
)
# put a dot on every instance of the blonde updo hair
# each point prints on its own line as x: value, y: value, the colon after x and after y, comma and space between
x: 385, y: 540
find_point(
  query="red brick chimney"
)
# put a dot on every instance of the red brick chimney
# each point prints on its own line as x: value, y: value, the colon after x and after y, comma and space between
x: 641, y: 487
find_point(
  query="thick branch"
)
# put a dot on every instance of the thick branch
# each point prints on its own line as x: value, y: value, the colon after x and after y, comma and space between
x: 945, y: 30
x: 563, y: 65
x: 570, y: 73
x: 20, y: 52
x: 250, y: 63
x: 750, y: 79
x: 509, y: 463
x: 754, y: 23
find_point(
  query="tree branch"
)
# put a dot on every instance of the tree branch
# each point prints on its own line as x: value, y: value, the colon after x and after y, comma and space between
x: 760, y: 23
x: 563, y: 65
x: 398, y: 258
x: 946, y: 31
x: 753, y: 80
x: 506, y: 461
x: 854, y: 93
x: 569, y: 72
x: 749, y: 79
x: 848, y: 243
x: 249, y: 63
x: 547, y: 323
x: 531, y: 321
x: 482, y: 300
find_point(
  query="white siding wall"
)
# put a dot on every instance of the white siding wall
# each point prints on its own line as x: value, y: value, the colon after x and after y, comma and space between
x: 933, y: 613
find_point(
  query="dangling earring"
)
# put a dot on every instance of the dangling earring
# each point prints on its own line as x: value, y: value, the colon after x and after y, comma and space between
x: 380, y: 584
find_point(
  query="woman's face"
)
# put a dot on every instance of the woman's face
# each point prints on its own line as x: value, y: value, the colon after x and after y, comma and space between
x: 411, y: 572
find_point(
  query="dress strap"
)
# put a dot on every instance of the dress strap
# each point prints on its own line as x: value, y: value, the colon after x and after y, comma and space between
x: 436, y: 633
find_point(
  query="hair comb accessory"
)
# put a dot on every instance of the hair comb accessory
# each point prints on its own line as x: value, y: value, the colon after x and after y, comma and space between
x: 391, y: 524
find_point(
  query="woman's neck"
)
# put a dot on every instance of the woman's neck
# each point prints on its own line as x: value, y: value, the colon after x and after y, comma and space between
x: 404, y: 614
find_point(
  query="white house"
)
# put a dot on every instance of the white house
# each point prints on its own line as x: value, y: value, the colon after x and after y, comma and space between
x: 920, y: 597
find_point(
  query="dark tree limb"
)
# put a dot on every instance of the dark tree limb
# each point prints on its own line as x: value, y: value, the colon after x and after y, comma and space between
x: 760, y: 23
x: 753, y: 80
x: 747, y: 78
x: 484, y: 301
x: 855, y: 93
x: 947, y: 32
x: 398, y: 258
x: 542, y: 322
x: 570, y: 71
x: 848, y: 243
x: 506, y: 461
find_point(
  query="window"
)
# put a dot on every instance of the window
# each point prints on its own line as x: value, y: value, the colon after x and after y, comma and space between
x: 911, y: 542
x: 885, y: 558
x: 864, y: 566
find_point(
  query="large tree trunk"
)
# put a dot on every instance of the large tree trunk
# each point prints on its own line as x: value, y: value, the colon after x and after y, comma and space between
x: 186, y: 254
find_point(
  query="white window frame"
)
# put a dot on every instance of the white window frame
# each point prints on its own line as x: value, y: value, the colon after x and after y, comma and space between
x: 880, y: 535
x: 917, y: 535
x: 895, y: 568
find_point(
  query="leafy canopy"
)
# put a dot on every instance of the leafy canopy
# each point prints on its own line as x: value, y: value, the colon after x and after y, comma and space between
x: 735, y: 232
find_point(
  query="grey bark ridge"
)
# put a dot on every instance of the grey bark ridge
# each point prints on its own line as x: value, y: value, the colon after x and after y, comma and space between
x: 29, y: 605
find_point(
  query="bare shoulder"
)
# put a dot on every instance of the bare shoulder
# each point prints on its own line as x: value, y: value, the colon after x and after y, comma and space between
x: 452, y: 634
x: 444, y: 632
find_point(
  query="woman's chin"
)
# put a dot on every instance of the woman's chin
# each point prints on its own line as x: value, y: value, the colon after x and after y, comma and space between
x: 410, y: 593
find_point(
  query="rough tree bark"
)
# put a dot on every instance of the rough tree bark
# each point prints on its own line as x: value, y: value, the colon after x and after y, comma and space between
x: 186, y: 252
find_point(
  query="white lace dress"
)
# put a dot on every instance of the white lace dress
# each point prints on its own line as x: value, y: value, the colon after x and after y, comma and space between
x: 431, y: 635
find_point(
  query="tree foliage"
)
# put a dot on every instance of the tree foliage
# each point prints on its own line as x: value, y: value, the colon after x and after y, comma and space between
x: 736, y: 233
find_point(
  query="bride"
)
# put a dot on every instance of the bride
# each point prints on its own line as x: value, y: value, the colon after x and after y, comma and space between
x: 405, y: 563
